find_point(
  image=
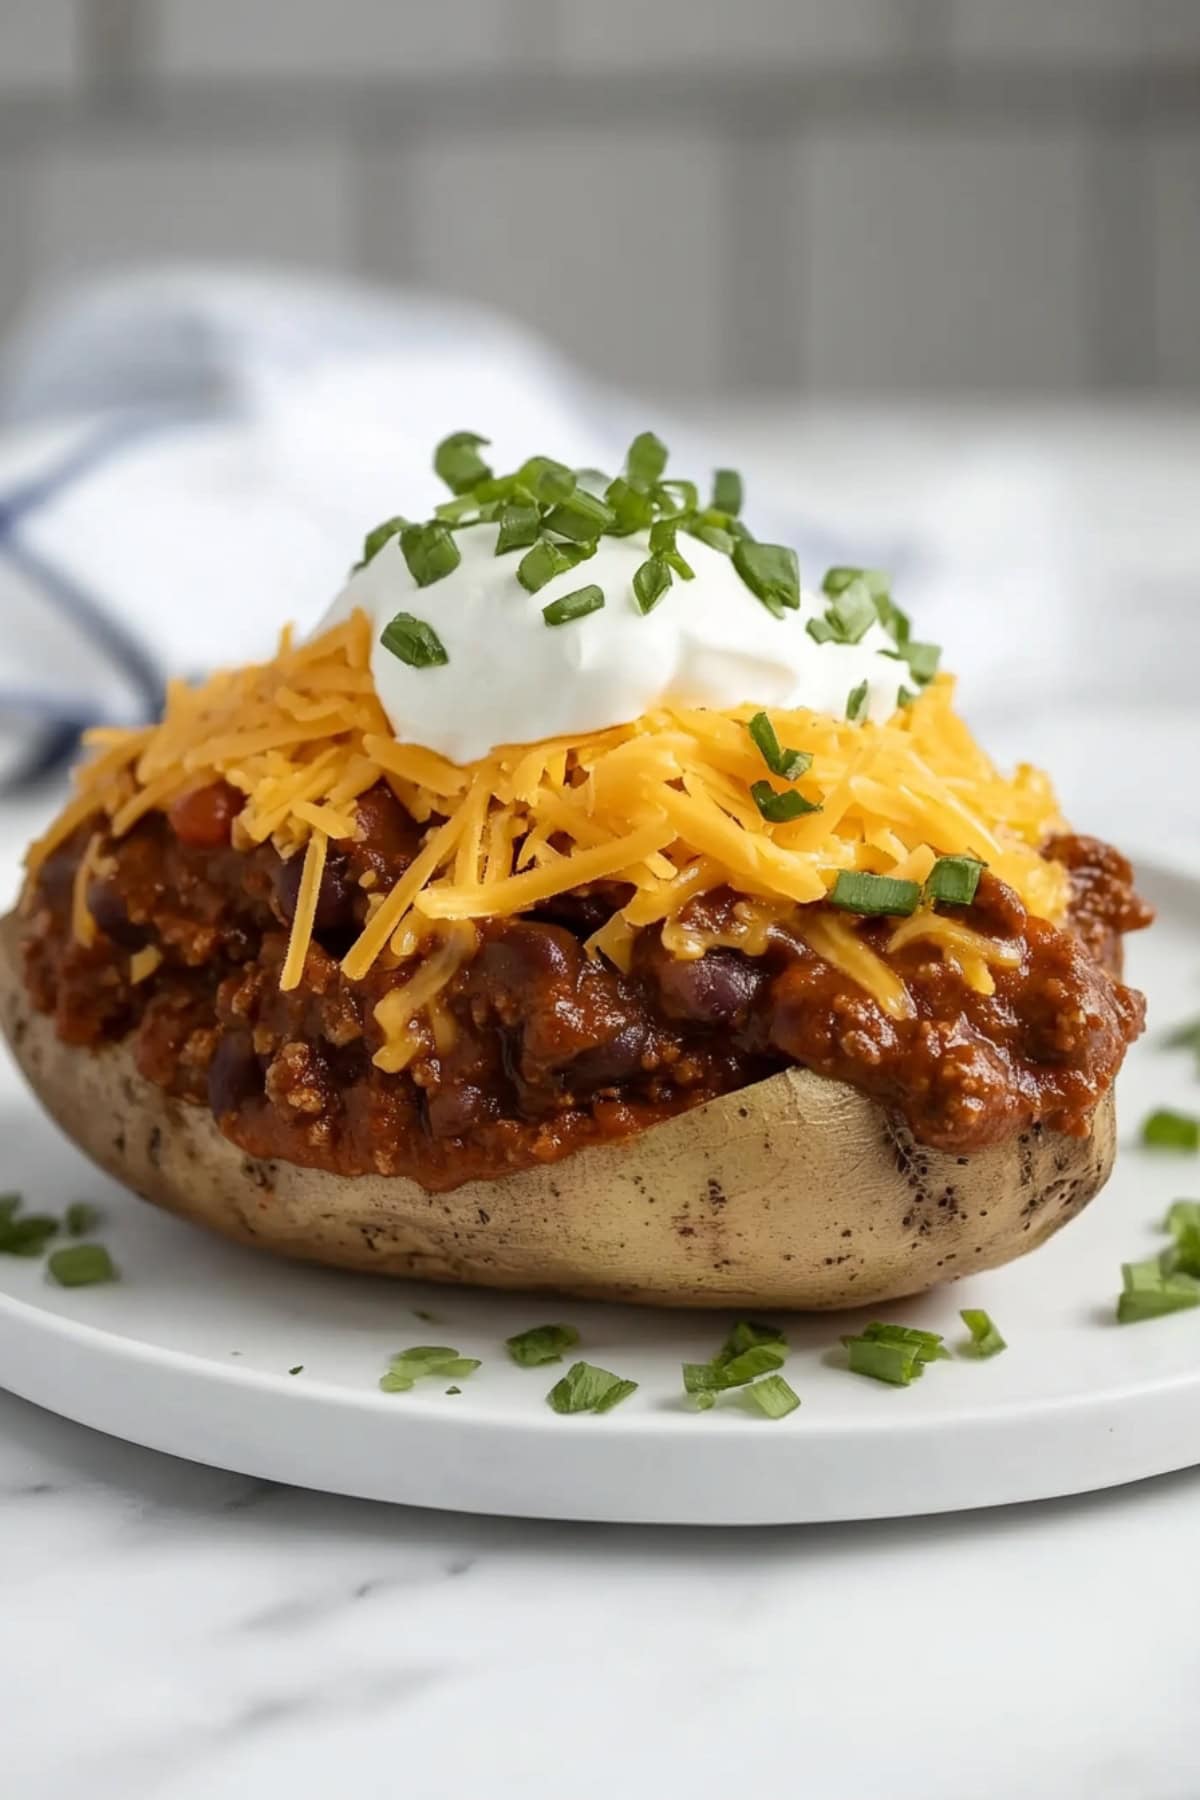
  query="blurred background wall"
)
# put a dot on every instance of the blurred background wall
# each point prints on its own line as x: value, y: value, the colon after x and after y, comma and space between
x: 831, y: 196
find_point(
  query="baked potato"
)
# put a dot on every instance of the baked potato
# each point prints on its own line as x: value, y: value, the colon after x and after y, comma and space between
x: 444, y: 944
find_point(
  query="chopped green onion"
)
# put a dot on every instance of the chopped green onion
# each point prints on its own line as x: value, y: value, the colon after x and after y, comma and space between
x: 518, y: 528
x: 430, y: 552
x: 414, y: 642
x: 632, y: 509
x: 541, y: 1344
x: 547, y: 480
x: 619, y: 1391
x: 1183, y: 1217
x: 922, y: 660
x: 421, y: 1360
x: 841, y: 576
x: 396, y: 1383
x: 581, y: 517
x: 703, y: 1400
x: 905, y: 696
x: 298, y: 1370
x: 852, y: 614
x: 586, y: 1388
x: 544, y: 562
x: 858, y: 703
x: 466, y: 510
x: 454, y: 1390
x: 733, y: 1371
x: 678, y: 496
x: 10, y: 1205
x: 716, y: 539
x: 927, y: 1344
x: 575, y: 605
x: 727, y: 491
x: 789, y: 764
x: 81, y: 1265
x: 375, y: 540
x: 875, y: 896
x: 746, y: 1334
x: 646, y: 460
x: 985, y: 1339
x: 771, y: 572
x: 1151, y: 1293
x: 458, y: 462
x: 772, y: 1397
x: 954, y: 879
x: 882, y: 1360
x: 81, y: 1218
x: 1167, y: 1130
x: 650, y: 583
x: 778, y: 809
x: 27, y: 1234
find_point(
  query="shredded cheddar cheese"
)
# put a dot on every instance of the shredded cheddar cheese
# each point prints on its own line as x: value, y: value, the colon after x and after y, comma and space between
x: 661, y: 806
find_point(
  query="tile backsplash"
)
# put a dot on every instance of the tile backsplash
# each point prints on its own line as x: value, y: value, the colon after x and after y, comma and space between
x: 834, y: 196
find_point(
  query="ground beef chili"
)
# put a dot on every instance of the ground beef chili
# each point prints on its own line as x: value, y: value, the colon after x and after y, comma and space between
x: 551, y: 1049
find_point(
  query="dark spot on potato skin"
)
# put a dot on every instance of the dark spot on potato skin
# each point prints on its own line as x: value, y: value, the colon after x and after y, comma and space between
x: 154, y: 1146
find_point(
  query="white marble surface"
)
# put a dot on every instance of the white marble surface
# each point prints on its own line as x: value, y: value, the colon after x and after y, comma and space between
x: 169, y: 1632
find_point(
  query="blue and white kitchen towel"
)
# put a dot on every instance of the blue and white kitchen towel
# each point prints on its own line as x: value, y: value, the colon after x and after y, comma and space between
x: 190, y: 457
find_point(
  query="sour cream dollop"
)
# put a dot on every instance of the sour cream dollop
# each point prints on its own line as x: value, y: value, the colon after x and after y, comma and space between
x: 512, y: 679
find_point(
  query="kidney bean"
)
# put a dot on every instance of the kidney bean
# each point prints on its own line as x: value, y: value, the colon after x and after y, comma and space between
x: 203, y: 817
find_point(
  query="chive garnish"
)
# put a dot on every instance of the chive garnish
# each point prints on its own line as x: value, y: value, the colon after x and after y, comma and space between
x: 575, y: 605
x: 375, y: 540
x: 954, y: 880
x: 858, y: 703
x: 413, y: 642
x: 927, y: 1344
x: 985, y: 1339
x: 771, y: 572
x: 519, y: 526
x: 81, y: 1265
x: 885, y: 1360
x: 735, y: 1371
x: 298, y: 1369
x: 727, y: 491
x: 81, y: 1218
x: 410, y: 1366
x: 646, y: 460
x: 851, y: 615
x: 430, y: 552
x: 25, y: 1234
x: 10, y: 1205
x: 780, y: 809
x: 875, y: 896
x: 581, y: 517
x: 789, y: 764
x: 541, y: 1344
x: 586, y: 1388
x: 751, y: 1349
x: 546, y: 560
x: 1167, y: 1130
x: 458, y: 462
x: 632, y: 508
x: 1150, y: 1292
x: 650, y: 583
x: 772, y: 1397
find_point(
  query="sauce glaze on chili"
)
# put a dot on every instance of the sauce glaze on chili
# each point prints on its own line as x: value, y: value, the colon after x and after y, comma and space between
x: 552, y: 1049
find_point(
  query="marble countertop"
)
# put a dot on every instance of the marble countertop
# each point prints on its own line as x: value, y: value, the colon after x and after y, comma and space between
x: 170, y: 1632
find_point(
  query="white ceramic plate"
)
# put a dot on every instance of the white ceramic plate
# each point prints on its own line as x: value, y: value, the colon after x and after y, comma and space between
x: 190, y: 1354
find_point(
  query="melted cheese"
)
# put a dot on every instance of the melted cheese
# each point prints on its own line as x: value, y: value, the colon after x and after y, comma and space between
x: 661, y: 806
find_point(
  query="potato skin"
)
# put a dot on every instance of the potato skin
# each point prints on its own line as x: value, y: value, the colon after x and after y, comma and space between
x: 797, y: 1193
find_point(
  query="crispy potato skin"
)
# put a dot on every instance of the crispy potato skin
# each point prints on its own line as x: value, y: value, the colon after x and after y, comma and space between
x: 797, y: 1193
